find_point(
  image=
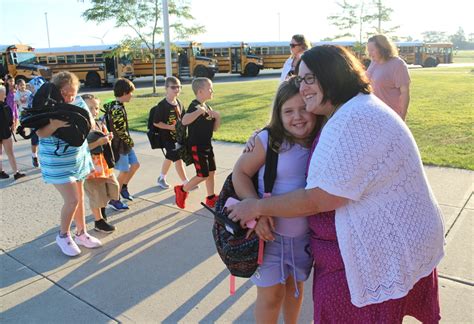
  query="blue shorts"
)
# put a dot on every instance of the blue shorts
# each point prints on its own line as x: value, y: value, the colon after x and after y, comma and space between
x: 125, y: 161
x: 283, y: 257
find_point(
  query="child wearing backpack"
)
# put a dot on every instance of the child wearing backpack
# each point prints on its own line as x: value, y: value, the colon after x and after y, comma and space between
x: 122, y: 143
x: 287, y: 261
x: 201, y: 121
x: 167, y: 113
x: 100, y: 186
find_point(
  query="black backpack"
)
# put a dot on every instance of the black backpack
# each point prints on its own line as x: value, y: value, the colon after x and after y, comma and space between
x: 49, y: 104
x: 240, y: 254
x: 182, y: 146
x: 153, y: 132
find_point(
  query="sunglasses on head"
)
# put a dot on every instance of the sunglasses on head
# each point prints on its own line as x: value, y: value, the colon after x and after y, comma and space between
x: 175, y: 87
x: 294, y: 45
x: 88, y: 96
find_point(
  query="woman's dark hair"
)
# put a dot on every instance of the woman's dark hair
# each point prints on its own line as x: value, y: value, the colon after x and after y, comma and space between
x: 278, y: 134
x: 340, y: 74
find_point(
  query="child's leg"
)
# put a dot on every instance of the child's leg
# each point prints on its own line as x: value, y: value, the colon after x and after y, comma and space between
x: 269, y: 301
x: 80, y: 214
x: 210, y: 183
x: 69, y: 193
x: 1, y: 155
x: 165, y: 168
x: 8, y: 144
x: 291, y: 304
x: 180, y: 170
x: 97, y: 213
x: 193, y: 183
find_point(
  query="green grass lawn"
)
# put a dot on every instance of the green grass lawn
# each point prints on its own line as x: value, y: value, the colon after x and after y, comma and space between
x: 440, y: 113
x: 464, y: 56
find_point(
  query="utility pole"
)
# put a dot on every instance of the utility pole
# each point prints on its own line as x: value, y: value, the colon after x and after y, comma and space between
x: 166, y: 29
x: 47, y: 28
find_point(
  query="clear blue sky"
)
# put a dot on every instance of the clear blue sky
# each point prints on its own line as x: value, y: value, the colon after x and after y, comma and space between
x: 225, y: 20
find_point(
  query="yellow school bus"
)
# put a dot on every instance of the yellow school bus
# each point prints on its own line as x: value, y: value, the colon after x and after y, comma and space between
x: 186, y: 61
x: 274, y: 54
x: 20, y: 61
x: 425, y: 54
x: 93, y: 65
x: 233, y: 57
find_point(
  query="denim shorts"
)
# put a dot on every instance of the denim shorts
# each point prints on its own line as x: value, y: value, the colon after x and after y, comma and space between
x: 125, y: 161
x: 283, y: 257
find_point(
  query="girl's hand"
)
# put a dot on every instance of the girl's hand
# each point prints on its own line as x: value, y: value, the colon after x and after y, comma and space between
x: 265, y: 227
x: 250, y: 145
x: 56, y: 123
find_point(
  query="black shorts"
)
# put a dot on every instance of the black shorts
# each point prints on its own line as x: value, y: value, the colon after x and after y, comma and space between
x: 170, y: 151
x: 203, y: 159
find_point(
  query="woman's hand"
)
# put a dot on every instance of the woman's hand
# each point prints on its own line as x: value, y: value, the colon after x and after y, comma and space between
x: 250, y: 145
x: 244, y: 211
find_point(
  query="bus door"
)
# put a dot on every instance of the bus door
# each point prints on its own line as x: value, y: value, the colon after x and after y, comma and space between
x: 418, y: 55
x: 111, y: 69
x: 236, y: 59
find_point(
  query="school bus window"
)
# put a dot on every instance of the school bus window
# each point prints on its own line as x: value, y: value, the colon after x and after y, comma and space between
x: 80, y: 58
x: 70, y: 59
x: 61, y: 59
x: 225, y: 52
x: 52, y: 60
x: 89, y: 58
x: 42, y: 60
x: 99, y: 58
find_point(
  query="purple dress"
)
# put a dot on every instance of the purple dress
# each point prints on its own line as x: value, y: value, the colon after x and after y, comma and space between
x: 331, y: 296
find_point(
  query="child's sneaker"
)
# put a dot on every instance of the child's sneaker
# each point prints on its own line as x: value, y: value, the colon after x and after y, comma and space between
x: 117, y: 205
x: 211, y: 201
x: 87, y: 241
x: 162, y: 183
x: 125, y: 194
x: 102, y: 226
x: 4, y: 175
x: 18, y: 175
x: 180, y: 196
x: 67, y: 245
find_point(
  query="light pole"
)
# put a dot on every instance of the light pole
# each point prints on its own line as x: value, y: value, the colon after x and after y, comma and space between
x: 166, y: 29
x: 47, y: 28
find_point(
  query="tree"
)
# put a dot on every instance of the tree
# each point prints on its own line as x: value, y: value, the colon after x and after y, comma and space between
x: 458, y: 39
x: 358, y: 15
x: 433, y: 36
x: 143, y: 17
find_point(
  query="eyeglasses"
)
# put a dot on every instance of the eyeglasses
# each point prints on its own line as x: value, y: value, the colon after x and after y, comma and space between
x: 294, y: 45
x: 309, y: 78
x: 88, y: 96
x: 175, y: 87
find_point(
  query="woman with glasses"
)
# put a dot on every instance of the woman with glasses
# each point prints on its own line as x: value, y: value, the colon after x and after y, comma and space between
x: 298, y: 45
x: 376, y: 228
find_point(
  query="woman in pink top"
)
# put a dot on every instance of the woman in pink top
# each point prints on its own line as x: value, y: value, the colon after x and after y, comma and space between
x: 388, y: 74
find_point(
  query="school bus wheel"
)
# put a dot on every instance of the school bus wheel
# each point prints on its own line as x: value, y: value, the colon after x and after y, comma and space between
x: 430, y: 62
x: 201, y: 72
x: 93, y: 80
x: 251, y: 70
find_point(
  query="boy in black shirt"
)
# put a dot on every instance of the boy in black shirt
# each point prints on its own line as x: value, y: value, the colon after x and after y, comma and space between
x: 169, y: 110
x: 202, y: 121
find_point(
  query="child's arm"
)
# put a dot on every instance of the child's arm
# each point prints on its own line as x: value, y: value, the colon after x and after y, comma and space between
x: 217, y: 119
x: 165, y: 126
x: 190, y: 117
x: 99, y: 142
x: 120, y: 126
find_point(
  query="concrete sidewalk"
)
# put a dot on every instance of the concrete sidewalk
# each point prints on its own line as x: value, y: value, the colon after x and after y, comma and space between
x: 160, y: 264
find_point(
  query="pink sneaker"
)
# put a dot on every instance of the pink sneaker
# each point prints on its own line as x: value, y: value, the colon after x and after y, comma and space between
x: 87, y: 241
x: 67, y: 245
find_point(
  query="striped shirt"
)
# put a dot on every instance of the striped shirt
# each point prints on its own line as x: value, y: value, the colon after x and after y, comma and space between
x: 64, y: 167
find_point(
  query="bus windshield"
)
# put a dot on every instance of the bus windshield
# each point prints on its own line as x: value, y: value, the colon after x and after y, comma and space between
x: 25, y: 57
x: 196, y: 51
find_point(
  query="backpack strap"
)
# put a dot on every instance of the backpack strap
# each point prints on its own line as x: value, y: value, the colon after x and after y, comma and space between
x: 271, y: 164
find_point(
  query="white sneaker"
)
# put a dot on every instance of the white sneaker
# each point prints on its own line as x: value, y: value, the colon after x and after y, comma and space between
x: 87, y: 241
x: 67, y: 245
